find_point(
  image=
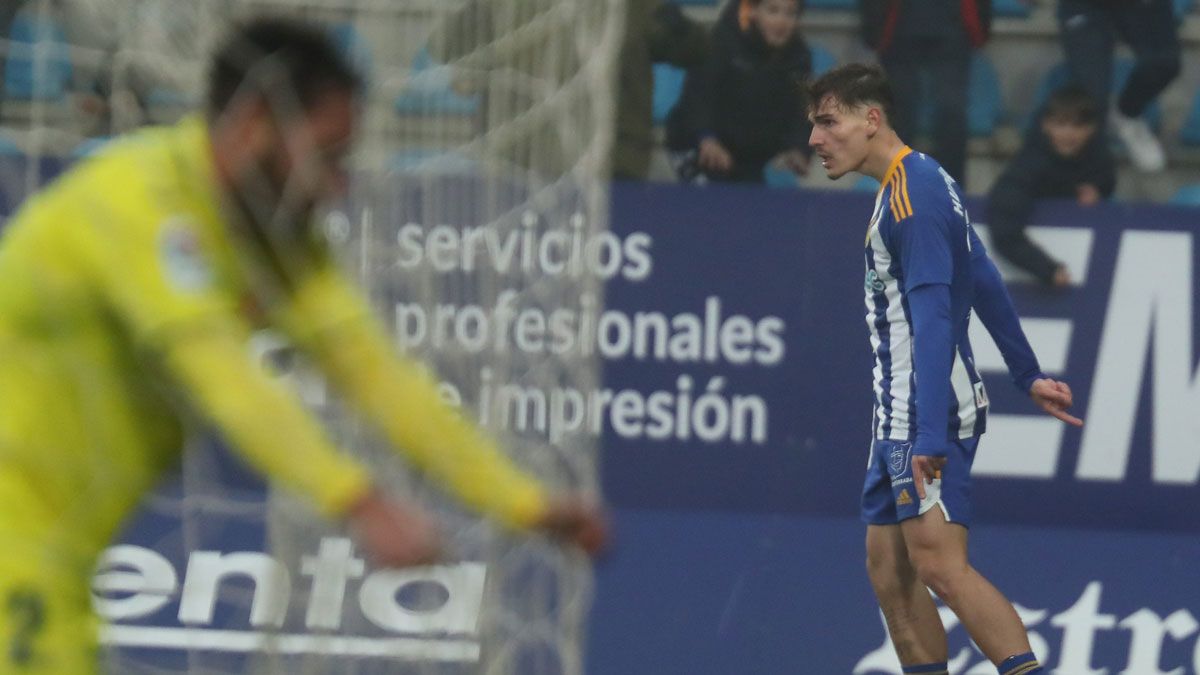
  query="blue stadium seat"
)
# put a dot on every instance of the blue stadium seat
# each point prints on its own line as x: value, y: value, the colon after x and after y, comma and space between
x: 354, y: 47
x: 429, y: 91
x: 775, y: 177
x: 823, y: 60
x: 1057, y: 77
x: 1182, y: 8
x: 89, y: 147
x: 36, y: 36
x: 668, y: 85
x: 432, y: 162
x: 1188, y: 195
x: 1190, y: 134
x: 985, y: 103
x: 865, y: 184
x: 847, y: 5
x: 1011, y: 8
x: 9, y: 147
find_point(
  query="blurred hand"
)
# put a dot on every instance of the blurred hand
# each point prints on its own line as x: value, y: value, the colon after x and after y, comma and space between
x: 925, y: 469
x: 574, y: 520
x: 1087, y: 195
x: 1062, y: 277
x: 794, y: 161
x: 1054, y: 397
x: 394, y: 534
x: 714, y: 157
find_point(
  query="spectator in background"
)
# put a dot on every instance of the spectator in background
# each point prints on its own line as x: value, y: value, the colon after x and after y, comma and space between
x: 742, y: 108
x: 655, y: 32
x: 1089, y: 30
x: 1063, y: 157
x: 925, y: 47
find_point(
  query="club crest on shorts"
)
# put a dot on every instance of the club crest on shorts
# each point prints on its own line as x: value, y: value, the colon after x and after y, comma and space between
x: 898, y: 458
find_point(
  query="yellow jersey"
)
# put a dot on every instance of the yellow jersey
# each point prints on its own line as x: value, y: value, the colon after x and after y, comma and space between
x: 126, y: 304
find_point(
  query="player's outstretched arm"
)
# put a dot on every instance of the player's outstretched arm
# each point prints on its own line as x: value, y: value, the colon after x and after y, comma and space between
x: 994, y: 307
x: 401, y: 398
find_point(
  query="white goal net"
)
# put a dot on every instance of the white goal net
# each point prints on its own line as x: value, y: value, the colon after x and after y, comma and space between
x: 476, y: 219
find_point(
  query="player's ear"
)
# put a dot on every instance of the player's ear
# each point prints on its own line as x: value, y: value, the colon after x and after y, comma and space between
x: 874, y: 119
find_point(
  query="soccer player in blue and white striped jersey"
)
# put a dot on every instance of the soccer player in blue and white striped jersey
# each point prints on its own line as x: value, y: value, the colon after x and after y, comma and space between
x: 926, y: 270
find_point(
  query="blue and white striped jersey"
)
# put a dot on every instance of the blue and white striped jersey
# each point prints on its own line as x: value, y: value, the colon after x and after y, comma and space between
x: 919, y: 234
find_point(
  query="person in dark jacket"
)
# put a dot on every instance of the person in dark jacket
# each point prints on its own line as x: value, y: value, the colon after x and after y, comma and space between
x: 925, y: 48
x: 1062, y: 157
x: 744, y: 107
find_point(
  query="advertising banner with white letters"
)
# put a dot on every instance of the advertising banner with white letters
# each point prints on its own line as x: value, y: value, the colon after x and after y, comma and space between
x: 735, y: 417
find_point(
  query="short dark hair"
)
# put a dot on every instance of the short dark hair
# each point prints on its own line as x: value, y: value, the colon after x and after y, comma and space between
x: 852, y: 85
x: 1072, y: 103
x: 304, y: 59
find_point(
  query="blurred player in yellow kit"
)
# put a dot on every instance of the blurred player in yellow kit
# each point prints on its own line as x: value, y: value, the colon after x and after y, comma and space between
x: 129, y: 289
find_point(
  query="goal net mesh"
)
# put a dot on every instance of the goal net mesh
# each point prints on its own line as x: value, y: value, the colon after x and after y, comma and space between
x: 475, y: 221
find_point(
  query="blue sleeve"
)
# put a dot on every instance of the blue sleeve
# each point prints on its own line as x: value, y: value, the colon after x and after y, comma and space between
x: 995, y: 309
x: 926, y: 245
x: 933, y: 357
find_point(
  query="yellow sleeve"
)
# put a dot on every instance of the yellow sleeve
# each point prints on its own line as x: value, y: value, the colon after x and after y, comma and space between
x: 160, y: 284
x: 264, y: 422
x: 401, y: 399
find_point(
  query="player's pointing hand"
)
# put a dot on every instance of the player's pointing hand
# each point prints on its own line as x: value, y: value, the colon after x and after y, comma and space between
x: 1054, y: 397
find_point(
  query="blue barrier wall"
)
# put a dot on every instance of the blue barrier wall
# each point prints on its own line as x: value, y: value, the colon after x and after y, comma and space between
x: 736, y: 422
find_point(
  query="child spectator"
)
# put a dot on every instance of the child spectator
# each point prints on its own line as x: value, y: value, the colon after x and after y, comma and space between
x: 744, y: 108
x: 1063, y: 157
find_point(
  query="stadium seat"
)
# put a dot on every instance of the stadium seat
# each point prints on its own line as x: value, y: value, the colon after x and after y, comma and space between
x: 865, y: 184
x: 1190, y: 134
x: 847, y: 5
x: 985, y: 103
x: 823, y: 60
x: 89, y: 147
x: 1057, y: 77
x: 668, y: 85
x: 1182, y: 8
x: 1011, y: 8
x: 37, y: 36
x: 9, y: 147
x: 354, y: 46
x: 432, y: 162
x: 430, y: 91
x: 1188, y: 195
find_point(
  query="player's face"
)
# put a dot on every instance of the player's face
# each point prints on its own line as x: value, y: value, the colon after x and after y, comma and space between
x: 308, y: 160
x: 1067, y: 136
x: 296, y: 162
x: 776, y: 20
x: 840, y: 136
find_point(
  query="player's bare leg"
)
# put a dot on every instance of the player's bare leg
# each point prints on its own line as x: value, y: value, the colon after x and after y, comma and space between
x: 938, y: 551
x: 911, y: 616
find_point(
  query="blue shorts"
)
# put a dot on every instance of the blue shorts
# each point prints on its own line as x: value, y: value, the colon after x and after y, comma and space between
x: 889, y: 495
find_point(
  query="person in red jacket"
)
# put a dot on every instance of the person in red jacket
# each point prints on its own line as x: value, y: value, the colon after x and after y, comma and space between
x: 925, y: 48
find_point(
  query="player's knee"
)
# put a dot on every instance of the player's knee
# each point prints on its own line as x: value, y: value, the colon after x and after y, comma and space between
x: 939, y: 575
x: 886, y: 573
